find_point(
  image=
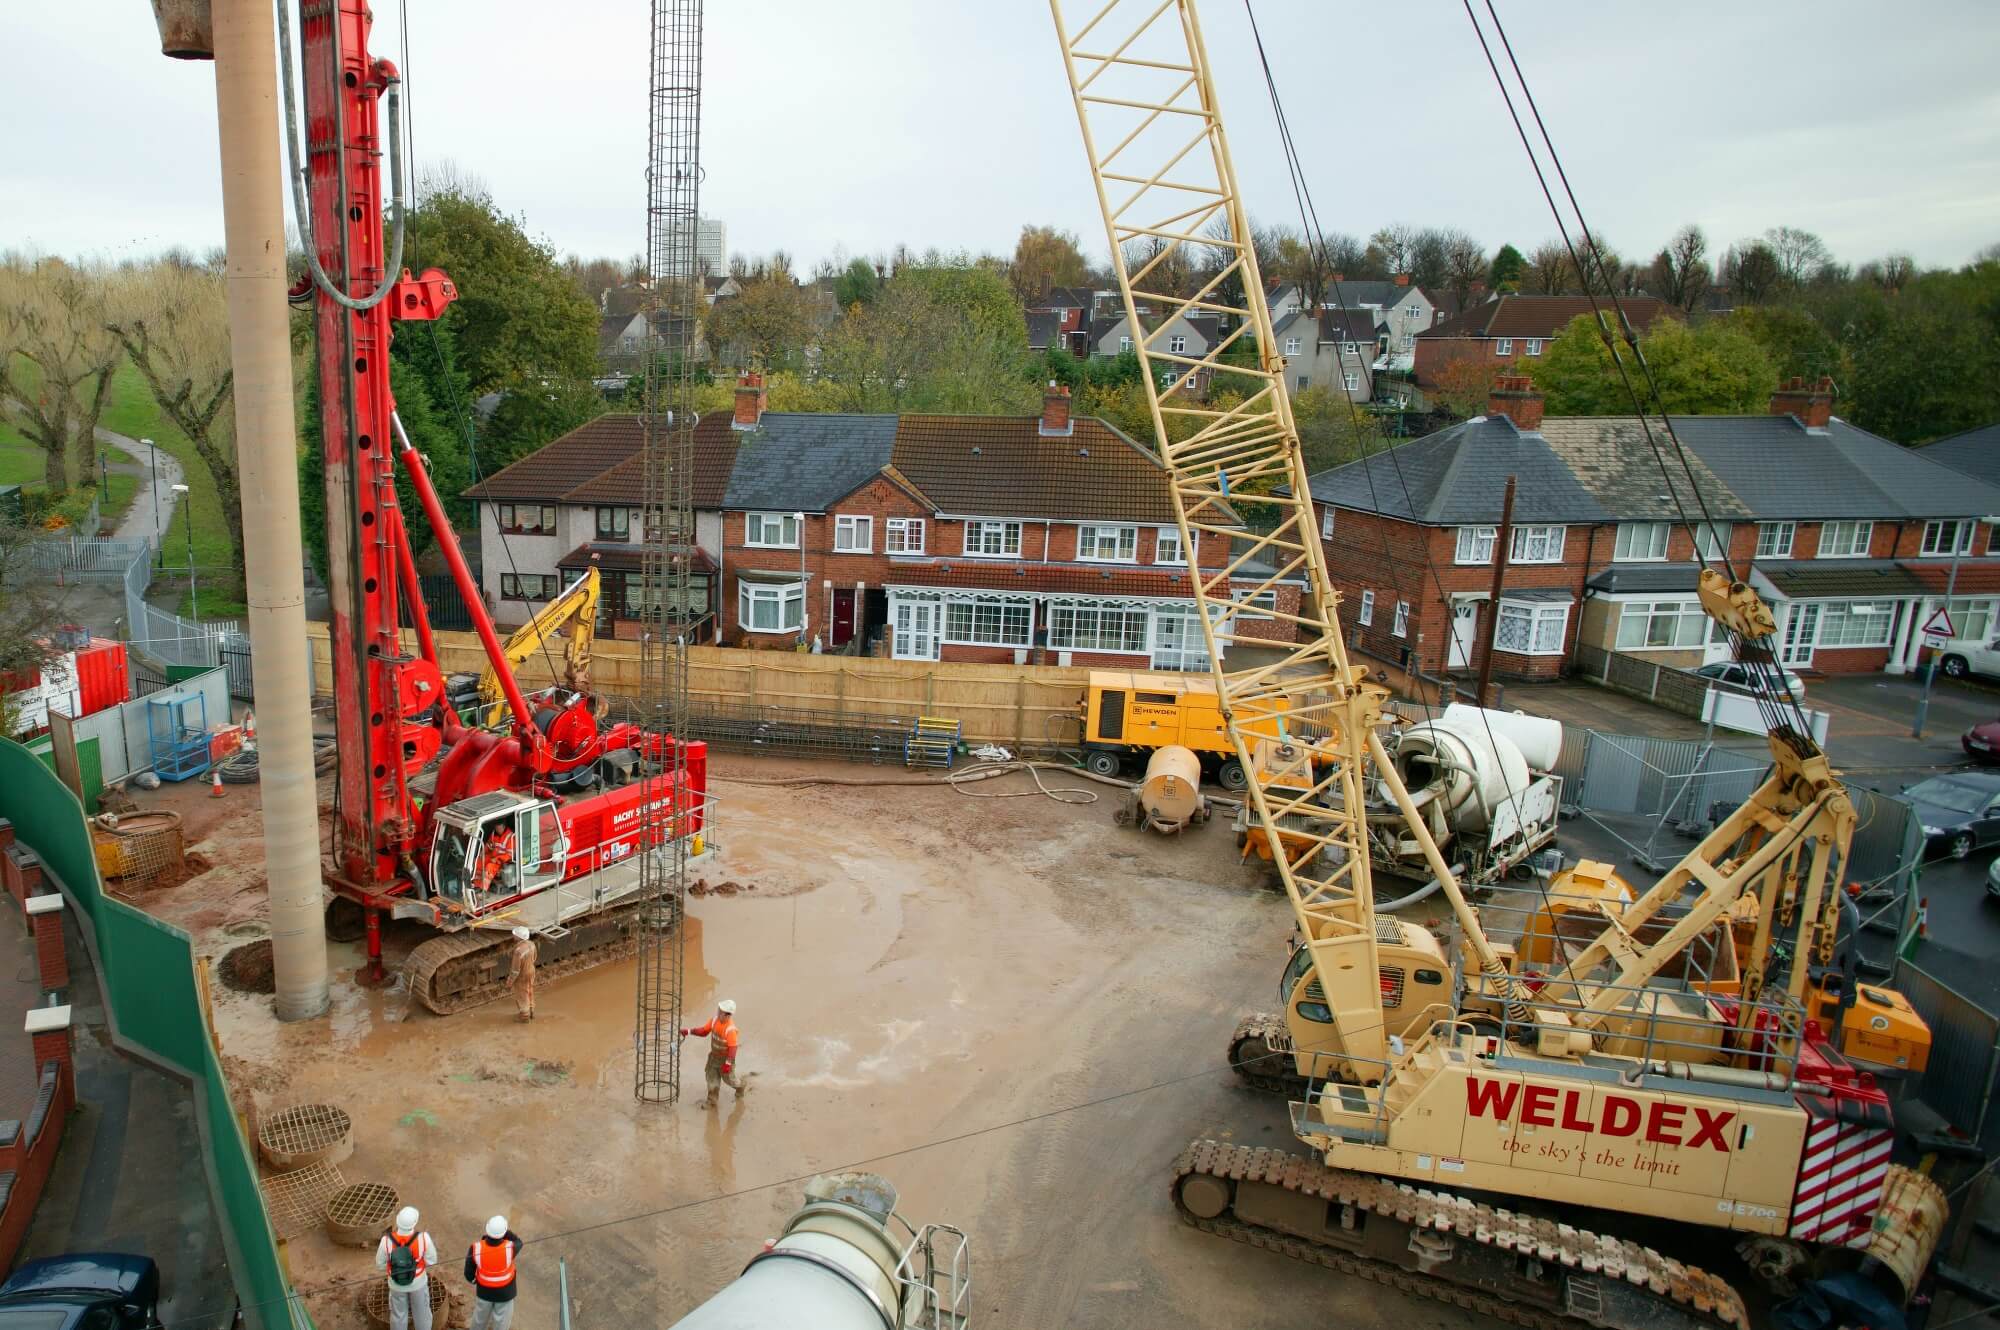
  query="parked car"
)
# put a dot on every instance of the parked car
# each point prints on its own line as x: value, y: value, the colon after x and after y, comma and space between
x: 1960, y: 811
x: 82, y: 1291
x: 1967, y: 655
x: 1993, y: 880
x: 1736, y: 672
x: 1982, y: 742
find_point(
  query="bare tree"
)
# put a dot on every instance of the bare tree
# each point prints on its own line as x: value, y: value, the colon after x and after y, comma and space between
x: 174, y: 325
x: 1986, y: 254
x: 1175, y: 264
x: 1396, y: 244
x: 1680, y: 270
x: 1752, y: 272
x: 1800, y: 254
x: 56, y: 360
x: 1464, y: 265
x: 1550, y: 271
x: 29, y: 604
x: 1343, y: 254
x: 1427, y: 257
x: 1892, y: 273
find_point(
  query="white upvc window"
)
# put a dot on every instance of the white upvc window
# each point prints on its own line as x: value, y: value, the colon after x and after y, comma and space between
x: 1406, y: 342
x: 1774, y: 539
x: 1124, y: 345
x: 1351, y: 380
x: 1291, y: 346
x: 1533, y: 346
x: 770, y: 607
x: 1367, y: 614
x: 1326, y: 522
x: 1653, y: 625
x: 1177, y: 344
x: 771, y: 531
x: 1860, y: 623
x: 1347, y: 348
x: 904, y: 535
x: 530, y: 519
x: 1536, y: 544
x: 1167, y: 545
x: 989, y: 623
x: 1098, y: 628
x: 1503, y: 346
x: 1845, y: 540
x: 1401, y: 627
x: 1711, y: 540
x: 853, y: 535
x: 1475, y: 544
x: 1948, y: 536
x: 993, y: 540
x: 1105, y: 543
x: 1640, y: 542
x: 1255, y: 604
x: 1531, y: 629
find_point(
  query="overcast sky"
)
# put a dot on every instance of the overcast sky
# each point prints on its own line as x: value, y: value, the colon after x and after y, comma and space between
x: 845, y: 128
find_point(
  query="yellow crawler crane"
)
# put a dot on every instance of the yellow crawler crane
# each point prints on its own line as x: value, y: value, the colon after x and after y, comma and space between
x: 576, y: 610
x: 1578, y: 1092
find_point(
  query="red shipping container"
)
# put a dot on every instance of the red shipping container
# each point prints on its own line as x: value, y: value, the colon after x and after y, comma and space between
x: 102, y: 679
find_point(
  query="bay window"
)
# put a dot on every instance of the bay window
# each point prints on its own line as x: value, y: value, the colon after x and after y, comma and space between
x: 1652, y: 625
x: 989, y: 623
x: 770, y: 607
x: 1097, y: 628
x: 1529, y: 629
x: 1858, y: 623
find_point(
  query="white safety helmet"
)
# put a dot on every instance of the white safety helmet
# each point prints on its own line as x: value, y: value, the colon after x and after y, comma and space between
x: 406, y: 1219
x: 496, y: 1227
x: 521, y: 933
x: 726, y: 1007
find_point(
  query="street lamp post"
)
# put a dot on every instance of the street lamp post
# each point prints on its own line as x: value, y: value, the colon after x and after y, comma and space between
x: 153, y: 465
x: 187, y: 506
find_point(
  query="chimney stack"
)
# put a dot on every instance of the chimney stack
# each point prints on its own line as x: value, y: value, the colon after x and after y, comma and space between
x: 749, y: 400
x: 1055, y: 410
x: 1812, y: 402
x: 1514, y: 397
x: 1402, y: 279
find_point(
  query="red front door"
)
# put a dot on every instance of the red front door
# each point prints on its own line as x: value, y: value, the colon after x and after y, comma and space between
x: 843, y: 618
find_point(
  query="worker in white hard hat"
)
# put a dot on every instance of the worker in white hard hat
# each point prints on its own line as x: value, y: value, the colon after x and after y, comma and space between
x: 489, y: 1268
x: 407, y: 1253
x: 521, y: 975
x: 722, y: 1045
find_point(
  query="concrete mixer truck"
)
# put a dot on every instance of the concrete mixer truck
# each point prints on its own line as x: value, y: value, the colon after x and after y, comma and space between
x: 1482, y: 781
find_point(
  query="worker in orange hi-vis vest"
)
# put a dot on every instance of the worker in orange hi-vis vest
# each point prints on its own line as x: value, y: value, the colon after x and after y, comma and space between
x: 495, y: 855
x: 722, y: 1044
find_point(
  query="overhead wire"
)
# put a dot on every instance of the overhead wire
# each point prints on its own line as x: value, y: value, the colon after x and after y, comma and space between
x: 1778, y: 705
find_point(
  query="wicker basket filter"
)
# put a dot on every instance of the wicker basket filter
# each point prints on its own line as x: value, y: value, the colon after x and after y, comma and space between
x: 305, y: 1134
x: 359, y: 1212
x: 375, y: 1302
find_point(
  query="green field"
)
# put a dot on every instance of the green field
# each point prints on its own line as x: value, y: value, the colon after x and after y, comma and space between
x: 133, y: 413
x: 21, y: 464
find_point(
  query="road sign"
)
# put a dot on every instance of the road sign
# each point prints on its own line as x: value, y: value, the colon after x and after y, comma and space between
x: 1936, y: 641
x: 1938, y: 625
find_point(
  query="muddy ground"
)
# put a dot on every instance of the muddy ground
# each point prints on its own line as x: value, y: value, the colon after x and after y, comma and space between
x: 1011, y: 1007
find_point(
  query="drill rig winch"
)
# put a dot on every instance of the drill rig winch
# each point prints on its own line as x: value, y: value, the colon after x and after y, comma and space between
x: 540, y: 824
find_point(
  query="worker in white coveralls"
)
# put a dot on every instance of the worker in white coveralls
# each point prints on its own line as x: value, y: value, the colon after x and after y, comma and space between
x: 407, y: 1253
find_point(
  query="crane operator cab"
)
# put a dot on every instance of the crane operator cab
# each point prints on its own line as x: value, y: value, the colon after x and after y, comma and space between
x: 495, y: 847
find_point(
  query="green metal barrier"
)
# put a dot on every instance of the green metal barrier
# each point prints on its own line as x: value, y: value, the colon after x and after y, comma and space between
x: 147, y: 971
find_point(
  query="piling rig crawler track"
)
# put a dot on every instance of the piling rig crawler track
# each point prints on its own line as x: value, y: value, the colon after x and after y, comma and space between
x: 1516, y: 1091
x: 546, y: 825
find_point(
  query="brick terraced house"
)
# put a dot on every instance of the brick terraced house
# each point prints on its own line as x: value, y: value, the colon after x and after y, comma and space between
x: 1851, y: 538
x: 971, y: 538
x: 1515, y: 330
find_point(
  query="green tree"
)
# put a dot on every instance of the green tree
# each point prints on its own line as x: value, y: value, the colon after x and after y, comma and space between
x: 1712, y: 370
x: 1794, y: 341
x: 976, y: 290
x: 767, y: 326
x: 519, y: 315
x: 1509, y: 265
x: 856, y: 284
x: 533, y: 414
x: 1927, y: 360
x: 939, y: 339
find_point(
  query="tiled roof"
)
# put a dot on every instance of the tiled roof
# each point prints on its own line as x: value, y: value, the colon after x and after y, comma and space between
x: 1813, y: 579
x: 1644, y: 577
x: 598, y: 462
x: 1005, y: 466
x: 1539, y: 316
x: 1979, y: 577
x: 1782, y: 470
x: 1044, y: 327
x: 1976, y: 452
x: 1351, y: 294
x: 1609, y: 456
x: 1347, y: 325
x: 1459, y: 475
x: 612, y: 556
x: 794, y: 460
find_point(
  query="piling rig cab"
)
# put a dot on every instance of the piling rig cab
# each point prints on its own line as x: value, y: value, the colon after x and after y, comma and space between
x: 543, y: 822
x: 1610, y: 1082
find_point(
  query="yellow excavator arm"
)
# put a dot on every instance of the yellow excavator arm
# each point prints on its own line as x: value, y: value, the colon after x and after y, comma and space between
x: 575, y: 608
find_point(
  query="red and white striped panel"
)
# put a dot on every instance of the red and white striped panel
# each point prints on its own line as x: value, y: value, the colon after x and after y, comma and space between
x: 1840, y: 1181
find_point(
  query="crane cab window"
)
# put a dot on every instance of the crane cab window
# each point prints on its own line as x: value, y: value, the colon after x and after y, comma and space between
x: 1295, y: 970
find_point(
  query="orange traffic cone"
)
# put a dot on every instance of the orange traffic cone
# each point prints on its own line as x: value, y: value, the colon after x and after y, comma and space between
x: 249, y: 729
x: 215, y: 782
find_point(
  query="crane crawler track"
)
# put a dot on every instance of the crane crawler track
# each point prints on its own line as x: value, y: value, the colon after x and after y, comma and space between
x: 458, y: 971
x: 1515, y: 1268
x: 1261, y: 1052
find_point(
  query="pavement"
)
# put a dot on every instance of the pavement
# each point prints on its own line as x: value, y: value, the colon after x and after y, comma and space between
x: 152, y: 510
x: 130, y: 1176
